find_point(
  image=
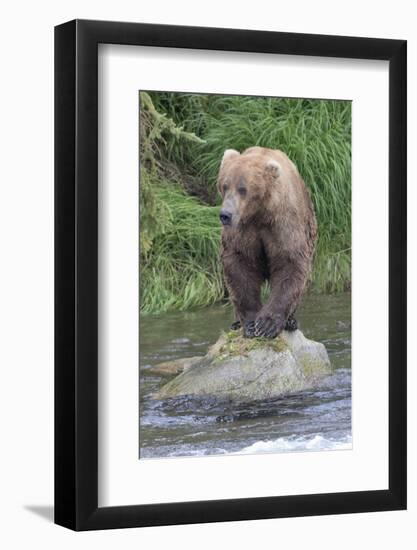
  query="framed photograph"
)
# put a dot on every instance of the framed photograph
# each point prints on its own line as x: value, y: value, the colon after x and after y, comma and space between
x: 230, y: 275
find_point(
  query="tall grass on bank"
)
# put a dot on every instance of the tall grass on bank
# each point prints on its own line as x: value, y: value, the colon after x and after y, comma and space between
x: 182, y: 268
x: 185, y: 137
x: 156, y: 131
x: 179, y: 236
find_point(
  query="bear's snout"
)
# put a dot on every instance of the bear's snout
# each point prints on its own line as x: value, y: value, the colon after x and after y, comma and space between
x: 225, y: 217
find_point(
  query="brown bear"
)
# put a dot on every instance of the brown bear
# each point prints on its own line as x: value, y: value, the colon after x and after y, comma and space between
x: 269, y: 233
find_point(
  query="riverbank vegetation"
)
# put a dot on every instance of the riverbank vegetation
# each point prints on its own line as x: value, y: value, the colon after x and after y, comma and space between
x: 182, y: 140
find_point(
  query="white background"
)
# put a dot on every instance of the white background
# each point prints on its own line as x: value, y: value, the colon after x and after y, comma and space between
x: 26, y: 301
x: 122, y: 478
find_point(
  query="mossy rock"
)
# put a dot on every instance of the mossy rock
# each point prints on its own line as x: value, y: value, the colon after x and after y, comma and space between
x: 233, y: 344
x: 244, y: 369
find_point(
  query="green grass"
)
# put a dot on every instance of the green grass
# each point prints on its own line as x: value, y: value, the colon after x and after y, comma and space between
x: 182, y: 269
x: 181, y: 266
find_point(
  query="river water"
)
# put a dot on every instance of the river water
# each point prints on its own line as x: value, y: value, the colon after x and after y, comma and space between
x: 310, y: 420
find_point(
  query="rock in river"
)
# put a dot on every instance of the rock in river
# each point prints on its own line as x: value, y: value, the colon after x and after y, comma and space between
x: 244, y: 369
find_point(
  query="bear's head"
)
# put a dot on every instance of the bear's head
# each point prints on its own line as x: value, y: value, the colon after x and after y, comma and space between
x: 245, y: 183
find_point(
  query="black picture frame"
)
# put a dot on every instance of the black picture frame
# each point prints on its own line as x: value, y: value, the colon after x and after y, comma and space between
x: 76, y: 272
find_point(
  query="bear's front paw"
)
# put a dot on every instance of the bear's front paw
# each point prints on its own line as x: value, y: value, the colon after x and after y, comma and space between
x: 249, y: 329
x: 268, y: 326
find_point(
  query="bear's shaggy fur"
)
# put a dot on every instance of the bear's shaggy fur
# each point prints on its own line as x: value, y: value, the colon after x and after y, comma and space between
x: 269, y: 233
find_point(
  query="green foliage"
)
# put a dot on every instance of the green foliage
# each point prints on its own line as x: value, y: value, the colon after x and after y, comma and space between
x: 316, y: 135
x: 179, y: 237
x: 155, y: 130
x: 182, y: 268
x: 154, y: 214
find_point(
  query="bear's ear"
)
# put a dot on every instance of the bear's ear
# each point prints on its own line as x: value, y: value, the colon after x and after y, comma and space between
x: 227, y: 155
x: 273, y: 168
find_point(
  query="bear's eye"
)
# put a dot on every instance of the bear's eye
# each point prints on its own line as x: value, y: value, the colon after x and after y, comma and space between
x: 242, y: 191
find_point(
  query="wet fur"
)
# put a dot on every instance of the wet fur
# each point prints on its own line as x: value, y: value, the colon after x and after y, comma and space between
x: 273, y: 239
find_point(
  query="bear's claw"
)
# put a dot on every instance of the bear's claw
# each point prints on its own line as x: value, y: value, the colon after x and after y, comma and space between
x: 249, y: 329
x: 268, y: 327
